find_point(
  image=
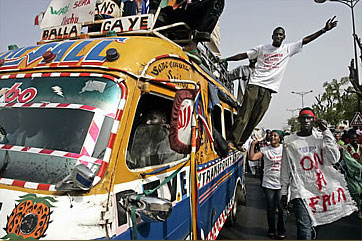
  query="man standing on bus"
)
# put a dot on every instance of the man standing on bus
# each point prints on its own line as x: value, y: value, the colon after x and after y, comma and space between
x: 272, y: 60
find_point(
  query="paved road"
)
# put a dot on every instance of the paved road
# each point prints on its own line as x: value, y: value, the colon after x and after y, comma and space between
x: 252, y: 223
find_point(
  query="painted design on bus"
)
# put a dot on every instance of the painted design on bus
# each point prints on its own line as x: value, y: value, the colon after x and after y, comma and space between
x: 16, y: 94
x: 69, y: 53
x: 215, y: 230
x: 212, y: 169
x: 30, y: 218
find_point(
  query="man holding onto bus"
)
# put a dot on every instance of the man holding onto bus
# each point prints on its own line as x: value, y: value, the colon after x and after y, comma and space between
x: 272, y: 60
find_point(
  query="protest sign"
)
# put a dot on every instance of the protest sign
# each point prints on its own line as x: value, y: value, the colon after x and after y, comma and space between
x: 65, y: 12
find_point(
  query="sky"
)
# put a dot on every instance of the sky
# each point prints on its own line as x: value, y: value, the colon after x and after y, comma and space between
x: 248, y: 23
x: 244, y: 25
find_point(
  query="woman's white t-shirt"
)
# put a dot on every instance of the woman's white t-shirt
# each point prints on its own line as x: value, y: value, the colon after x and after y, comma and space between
x: 272, y: 157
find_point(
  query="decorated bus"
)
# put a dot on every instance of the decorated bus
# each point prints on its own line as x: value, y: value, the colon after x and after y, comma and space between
x: 80, y: 154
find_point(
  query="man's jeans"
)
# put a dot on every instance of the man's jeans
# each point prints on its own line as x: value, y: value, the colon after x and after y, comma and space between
x: 256, y: 101
x: 304, y: 223
x: 272, y: 202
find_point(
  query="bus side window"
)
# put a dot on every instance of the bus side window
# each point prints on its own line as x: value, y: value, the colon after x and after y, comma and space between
x: 227, y: 121
x: 216, y: 118
x: 149, y: 143
x: 234, y: 117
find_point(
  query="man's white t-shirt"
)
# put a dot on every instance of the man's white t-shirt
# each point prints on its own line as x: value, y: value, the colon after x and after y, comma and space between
x: 271, y: 63
x: 272, y: 157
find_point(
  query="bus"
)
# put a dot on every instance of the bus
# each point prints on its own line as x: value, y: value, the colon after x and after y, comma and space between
x: 78, y: 158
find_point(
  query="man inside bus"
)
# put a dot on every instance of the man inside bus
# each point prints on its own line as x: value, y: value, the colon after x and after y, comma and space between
x: 162, y: 151
x: 151, y: 144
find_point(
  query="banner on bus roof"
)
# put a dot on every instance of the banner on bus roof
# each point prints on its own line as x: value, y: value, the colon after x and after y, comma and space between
x: 65, y: 12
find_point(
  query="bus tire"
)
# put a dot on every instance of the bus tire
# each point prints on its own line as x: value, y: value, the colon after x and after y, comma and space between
x: 231, y: 220
x: 241, y: 195
x: 232, y: 217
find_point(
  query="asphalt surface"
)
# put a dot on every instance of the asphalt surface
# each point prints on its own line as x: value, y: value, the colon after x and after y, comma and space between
x: 252, y: 223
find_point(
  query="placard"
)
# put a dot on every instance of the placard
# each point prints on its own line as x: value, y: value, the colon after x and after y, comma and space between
x: 60, y: 32
x: 65, y: 12
x: 129, y: 23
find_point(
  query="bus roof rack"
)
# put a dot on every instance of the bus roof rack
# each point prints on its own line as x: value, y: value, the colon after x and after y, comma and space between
x: 178, y: 33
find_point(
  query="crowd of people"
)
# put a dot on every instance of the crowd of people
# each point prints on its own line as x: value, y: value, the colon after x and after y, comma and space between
x: 315, y: 170
x: 289, y: 164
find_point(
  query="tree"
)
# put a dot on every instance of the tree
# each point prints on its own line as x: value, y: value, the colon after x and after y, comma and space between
x: 353, y: 78
x: 294, y: 124
x: 338, y: 102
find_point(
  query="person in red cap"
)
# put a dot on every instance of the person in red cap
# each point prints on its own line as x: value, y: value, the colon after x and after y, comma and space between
x: 318, y: 191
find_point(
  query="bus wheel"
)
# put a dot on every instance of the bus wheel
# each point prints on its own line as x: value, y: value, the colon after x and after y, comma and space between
x: 241, y: 195
x: 231, y: 220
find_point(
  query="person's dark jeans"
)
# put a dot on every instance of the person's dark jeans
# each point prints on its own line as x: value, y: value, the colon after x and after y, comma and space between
x: 255, y: 103
x: 205, y: 14
x: 199, y: 15
x: 304, y: 223
x: 272, y: 203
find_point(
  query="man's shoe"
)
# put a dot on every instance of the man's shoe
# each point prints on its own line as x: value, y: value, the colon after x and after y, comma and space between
x: 231, y: 146
x: 202, y: 36
x: 241, y: 148
x: 282, y: 236
x: 271, y: 235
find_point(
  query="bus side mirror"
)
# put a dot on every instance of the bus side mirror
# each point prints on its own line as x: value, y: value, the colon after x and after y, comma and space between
x: 150, y: 209
x: 80, y: 179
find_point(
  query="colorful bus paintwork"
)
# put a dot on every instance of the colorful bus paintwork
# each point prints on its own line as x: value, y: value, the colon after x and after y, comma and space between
x: 80, y: 108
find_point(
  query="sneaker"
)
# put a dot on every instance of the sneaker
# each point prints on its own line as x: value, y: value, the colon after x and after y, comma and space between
x: 282, y: 236
x: 241, y: 148
x: 231, y: 146
x: 202, y: 36
x: 271, y: 235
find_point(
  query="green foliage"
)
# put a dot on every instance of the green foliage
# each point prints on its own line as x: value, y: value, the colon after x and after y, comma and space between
x: 294, y: 124
x: 338, y: 102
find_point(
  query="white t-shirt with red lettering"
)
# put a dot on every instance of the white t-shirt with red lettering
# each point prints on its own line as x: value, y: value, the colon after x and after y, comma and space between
x: 271, y: 63
x: 272, y: 164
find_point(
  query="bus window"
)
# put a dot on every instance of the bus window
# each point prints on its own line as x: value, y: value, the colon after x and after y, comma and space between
x: 227, y: 121
x: 216, y: 118
x: 234, y: 117
x: 149, y: 144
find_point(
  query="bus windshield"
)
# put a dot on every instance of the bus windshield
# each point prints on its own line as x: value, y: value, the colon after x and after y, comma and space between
x: 53, y: 113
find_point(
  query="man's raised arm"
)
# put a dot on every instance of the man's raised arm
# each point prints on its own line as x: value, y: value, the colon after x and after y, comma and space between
x: 330, y: 24
x: 235, y: 57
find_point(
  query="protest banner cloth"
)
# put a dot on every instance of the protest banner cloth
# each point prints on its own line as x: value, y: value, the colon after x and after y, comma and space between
x: 322, y: 188
x: 65, y: 12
